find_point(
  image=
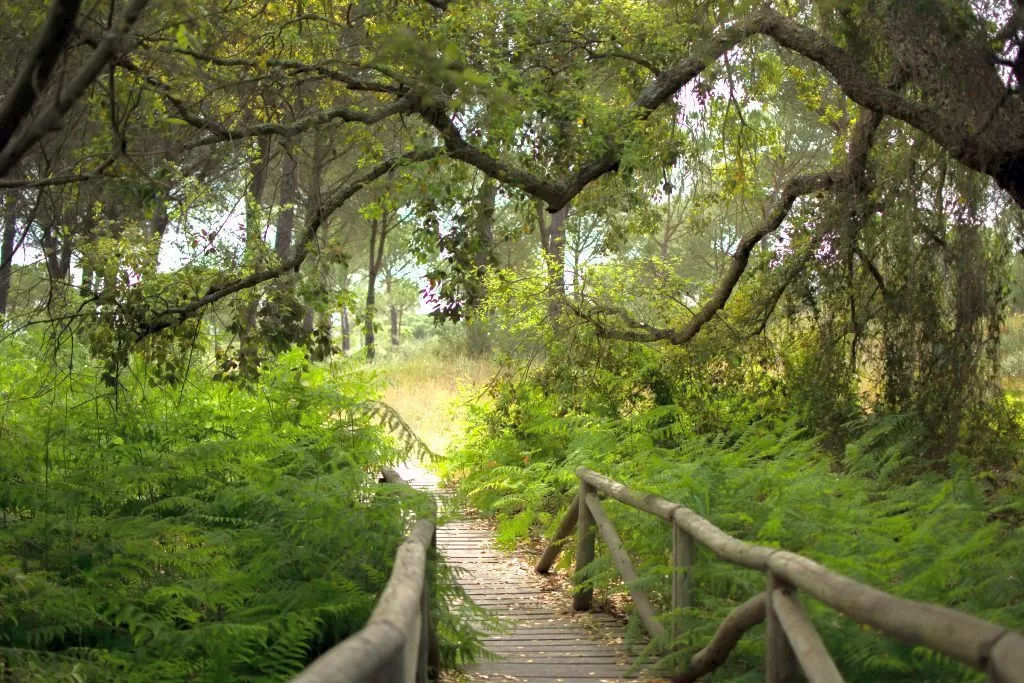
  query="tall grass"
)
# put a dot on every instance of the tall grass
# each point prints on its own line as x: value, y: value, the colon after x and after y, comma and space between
x: 430, y: 385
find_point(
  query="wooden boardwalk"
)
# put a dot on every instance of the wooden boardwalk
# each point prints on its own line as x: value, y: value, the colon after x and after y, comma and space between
x: 544, y: 640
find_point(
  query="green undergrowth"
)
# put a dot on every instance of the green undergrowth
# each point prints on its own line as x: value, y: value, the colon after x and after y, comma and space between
x: 952, y: 538
x: 201, y: 531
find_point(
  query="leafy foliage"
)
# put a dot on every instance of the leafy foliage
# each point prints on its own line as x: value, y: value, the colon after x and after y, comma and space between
x: 732, y: 437
x: 204, y: 531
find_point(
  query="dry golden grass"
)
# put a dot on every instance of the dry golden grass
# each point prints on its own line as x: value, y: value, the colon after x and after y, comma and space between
x: 425, y: 389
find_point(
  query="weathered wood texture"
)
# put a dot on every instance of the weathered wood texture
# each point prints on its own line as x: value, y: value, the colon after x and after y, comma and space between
x: 988, y: 647
x: 584, y: 596
x: 684, y: 554
x: 648, y: 615
x: 779, y: 659
x: 387, y: 649
x: 745, y: 617
x: 395, y: 645
x: 541, y: 640
x: 807, y: 645
x: 565, y: 529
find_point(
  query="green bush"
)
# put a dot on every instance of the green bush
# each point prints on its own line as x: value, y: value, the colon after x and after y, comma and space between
x: 734, y: 432
x: 201, y: 531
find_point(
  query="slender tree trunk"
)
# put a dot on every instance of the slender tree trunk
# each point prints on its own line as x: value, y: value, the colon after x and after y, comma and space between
x: 346, y: 331
x: 289, y: 195
x: 395, y: 332
x: 52, y: 248
x: 313, y: 181
x: 258, y: 168
x: 155, y: 231
x: 369, y: 340
x: 10, y: 227
x: 378, y: 235
x: 478, y: 340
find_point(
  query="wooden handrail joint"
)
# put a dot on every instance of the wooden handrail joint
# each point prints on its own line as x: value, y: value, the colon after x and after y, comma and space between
x: 987, y: 647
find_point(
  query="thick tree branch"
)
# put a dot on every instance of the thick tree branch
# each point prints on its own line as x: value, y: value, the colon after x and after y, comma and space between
x: 733, y: 627
x: 17, y: 103
x: 49, y: 119
x: 794, y: 189
x: 94, y: 174
x: 352, y: 81
x: 540, y: 188
x: 218, y: 132
x: 1014, y: 24
x: 851, y: 175
x: 177, y: 314
x: 976, y: 149
x: 873, y: 269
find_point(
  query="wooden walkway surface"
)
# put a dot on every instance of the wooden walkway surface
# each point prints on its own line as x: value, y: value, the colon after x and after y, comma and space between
x: 544, y: 640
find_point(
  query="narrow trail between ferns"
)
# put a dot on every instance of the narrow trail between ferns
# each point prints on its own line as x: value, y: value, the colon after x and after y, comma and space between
x: 544, y: 641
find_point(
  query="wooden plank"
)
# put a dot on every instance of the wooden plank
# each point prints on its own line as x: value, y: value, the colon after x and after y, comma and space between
x: 563, y: 671
x: 810, y: 651
x: 625, y: 566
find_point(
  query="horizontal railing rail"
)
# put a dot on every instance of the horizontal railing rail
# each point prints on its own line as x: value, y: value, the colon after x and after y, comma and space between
x: 397, y: 644
x: 792, y: 642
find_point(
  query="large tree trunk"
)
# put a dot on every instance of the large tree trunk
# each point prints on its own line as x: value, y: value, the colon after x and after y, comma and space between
x: 248, y: 358
x: 552, y: 237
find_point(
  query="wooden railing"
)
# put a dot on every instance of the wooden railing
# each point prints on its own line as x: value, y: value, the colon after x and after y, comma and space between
x: 397, y: 645
x: 792, y: 641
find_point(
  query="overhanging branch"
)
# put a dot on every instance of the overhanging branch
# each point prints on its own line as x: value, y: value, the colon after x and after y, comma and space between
x: 17, y: 103
x: 792, y: 190
x: 177, y: 314
x: 50, y: 118
x: 218, y: 132
x: 851, y: 175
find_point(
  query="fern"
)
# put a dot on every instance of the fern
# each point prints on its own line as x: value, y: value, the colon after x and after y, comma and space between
x: 951, y: 539
x: 208, y: 532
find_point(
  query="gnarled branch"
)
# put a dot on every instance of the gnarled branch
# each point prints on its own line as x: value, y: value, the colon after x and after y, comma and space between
x: 218, y: 132
x: 743, y: 618
x: 851, y: 175
x: 795, y: 188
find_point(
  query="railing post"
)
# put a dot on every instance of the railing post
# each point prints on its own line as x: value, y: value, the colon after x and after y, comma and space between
x: 582, y: 599
x: 684, y: 552
x: 780, y: 662
x: 423, y: 656
x: 430, y: 657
